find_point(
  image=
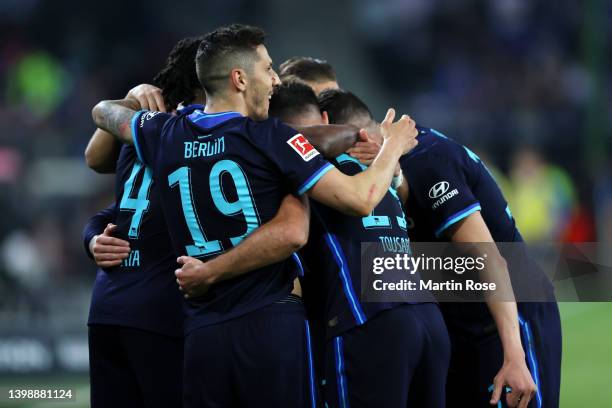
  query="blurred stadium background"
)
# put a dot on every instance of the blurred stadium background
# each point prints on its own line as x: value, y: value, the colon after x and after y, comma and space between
x: 526, y: 83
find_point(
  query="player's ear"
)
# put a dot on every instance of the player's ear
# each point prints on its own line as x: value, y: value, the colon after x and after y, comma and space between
x: 325, y: 117
x: 239, y: 80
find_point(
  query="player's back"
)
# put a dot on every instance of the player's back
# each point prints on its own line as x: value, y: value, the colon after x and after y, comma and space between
x: 333, y: 255
x: 221, y: 176
x: 448, y: 182
x: 141, y: 292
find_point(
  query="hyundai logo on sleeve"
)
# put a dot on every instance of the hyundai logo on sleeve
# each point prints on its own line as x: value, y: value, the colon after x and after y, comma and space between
x: 438, y: 189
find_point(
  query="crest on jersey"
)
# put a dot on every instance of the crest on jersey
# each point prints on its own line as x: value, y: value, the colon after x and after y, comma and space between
x: 303, y: 147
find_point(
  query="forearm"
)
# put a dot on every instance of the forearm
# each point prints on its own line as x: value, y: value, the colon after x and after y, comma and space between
x: 330, y: 140
x: 501, y: 303
x: 265, y: 246
x: 273, y: 242
x: 506, y: 319
x: 115, y: 117
x: 96, y: 224
x: 373, y: 183
x: 102, y: 152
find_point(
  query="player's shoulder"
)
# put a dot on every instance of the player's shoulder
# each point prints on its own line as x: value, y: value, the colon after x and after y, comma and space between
x: 435, y: 147
x: 270, y: 130
x: 270, y: 124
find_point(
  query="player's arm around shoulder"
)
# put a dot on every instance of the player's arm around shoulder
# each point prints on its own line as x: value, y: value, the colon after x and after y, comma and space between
x: 115, y: 117
x: 360, y: 194
x: 102, y: 150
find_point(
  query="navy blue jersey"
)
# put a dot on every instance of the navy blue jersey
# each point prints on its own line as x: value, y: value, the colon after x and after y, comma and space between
x: 447, y: 183
x: 333, y: 255
x: 221, y: 176
x: 142, y: 292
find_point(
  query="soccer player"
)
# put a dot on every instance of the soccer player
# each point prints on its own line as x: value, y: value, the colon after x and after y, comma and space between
x: 316, y: 73
x: 136, y: 308
x: 378, y: 354
x: 136, y: 318
x: 476, y: 213
x: 221, y: 173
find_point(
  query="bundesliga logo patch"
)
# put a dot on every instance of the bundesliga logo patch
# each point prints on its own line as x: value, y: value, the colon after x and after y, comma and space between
x: 302, y: 147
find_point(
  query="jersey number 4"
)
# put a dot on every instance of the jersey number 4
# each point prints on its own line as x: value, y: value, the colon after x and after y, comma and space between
x: 140, y: 204
x: 244, y: 204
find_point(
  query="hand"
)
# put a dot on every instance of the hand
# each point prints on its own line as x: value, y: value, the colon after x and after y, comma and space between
x: 365, y: 150
x: 107, y: 250
x: 148, y: 96
x: 403, y: 131
x: 515, y: 374
x: 194, y: 277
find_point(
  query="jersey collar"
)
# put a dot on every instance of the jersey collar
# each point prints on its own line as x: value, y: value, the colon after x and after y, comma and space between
x: 206, y: 120
x: 189, y: 108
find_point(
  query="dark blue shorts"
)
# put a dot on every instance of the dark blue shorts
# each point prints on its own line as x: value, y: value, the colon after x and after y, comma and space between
x: 134, y: 368
x: 261, y: 359
x: 477, y: 356
x: 399, y: 358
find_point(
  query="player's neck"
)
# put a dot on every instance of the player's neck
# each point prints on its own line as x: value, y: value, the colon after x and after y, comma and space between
x: 216, y: 105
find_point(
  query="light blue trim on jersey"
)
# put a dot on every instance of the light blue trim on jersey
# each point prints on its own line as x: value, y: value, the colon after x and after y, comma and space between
x: 297, y: 260
x: 207, y: 120
x: 340, y: 377
x: 188, y: 108
x: 134, y: 126
x: 345, y: 277
x: 311, y: 373
x: 531, y: 358
x: 435, y: 132
x: 458, y: 217
x: 312, y: 180
x: 472, y: 155
x: 508, y: 212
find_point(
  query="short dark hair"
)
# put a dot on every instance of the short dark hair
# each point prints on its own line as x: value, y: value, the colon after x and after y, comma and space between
x: 342, y: 106
x: 178, y: 79
x: 307, y: 69
x: 291, y: 99
x: 222, y: 50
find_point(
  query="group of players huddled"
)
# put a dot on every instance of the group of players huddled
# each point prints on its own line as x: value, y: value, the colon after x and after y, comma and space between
x: 230, y: 261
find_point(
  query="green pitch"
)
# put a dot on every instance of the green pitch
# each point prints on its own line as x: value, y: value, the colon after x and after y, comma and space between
x: 587, y: 354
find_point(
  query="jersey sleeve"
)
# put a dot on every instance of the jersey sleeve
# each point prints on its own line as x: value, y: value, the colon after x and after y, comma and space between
x: 441, y: 184
x: 97, y: 224
x: 146, y: 129
x: 300, y: 163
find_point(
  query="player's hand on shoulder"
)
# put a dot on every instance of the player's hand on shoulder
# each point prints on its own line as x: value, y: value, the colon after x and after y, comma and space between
x: 365, y: 149
x: 107, y: 250
x: 194, y: 277
x: 403, y: 131
x: 515, y: 374
x: 148, y: 96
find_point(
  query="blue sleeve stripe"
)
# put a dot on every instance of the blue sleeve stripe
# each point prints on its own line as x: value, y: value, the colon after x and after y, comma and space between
x: 458, y: 217
x: 312, y: 180
x: 297, y: 260
x: 136, y: 135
